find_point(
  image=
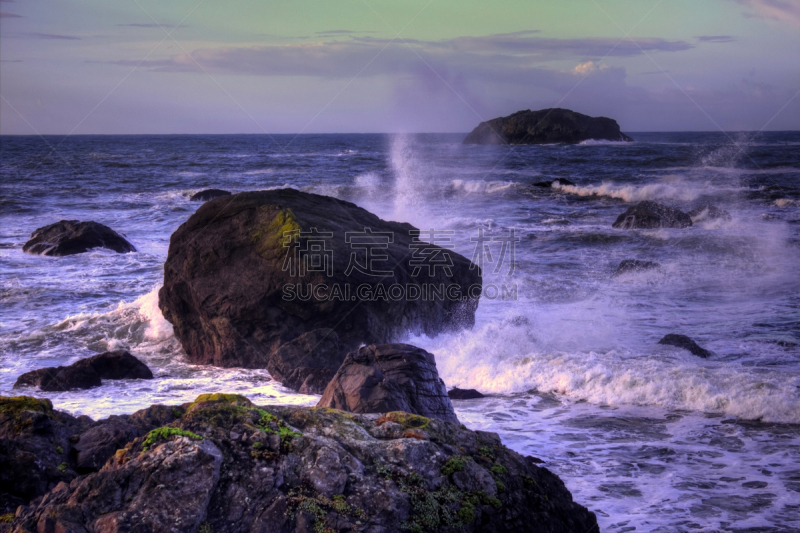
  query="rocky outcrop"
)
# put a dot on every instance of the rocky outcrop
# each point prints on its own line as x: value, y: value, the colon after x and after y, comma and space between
x: 650, y: 215
x: 239, y: 271
x: 634, y: 265
x: 464, y: 394
x: 208, y: 194
x: 224, y: 464
x: 708, y: 212
x: 682, y: 341
x: 69, y: 237
x: 86, y: 373
x: 389, y: 377
x: 546, y: 126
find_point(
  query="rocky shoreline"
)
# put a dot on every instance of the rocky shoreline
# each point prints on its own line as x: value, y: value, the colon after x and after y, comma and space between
x: 222, y: 464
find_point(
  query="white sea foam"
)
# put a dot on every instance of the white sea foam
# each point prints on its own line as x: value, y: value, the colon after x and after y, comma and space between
x: 480, y: 186
x: 636, y: 193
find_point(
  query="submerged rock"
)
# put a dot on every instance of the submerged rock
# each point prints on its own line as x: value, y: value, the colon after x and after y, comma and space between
x: 224, y: 464
x: 279, y: 265
x: 557, y: 181
x: 708, y: 212
x: 682, y: 341
x: 389, y: 377
x: 208, y: 194
x: 545, y: 126
x: 69, y: 237
x: 464, y: 394
x: 86, y: 373
x: 634, y: 265
x: 649, y: 215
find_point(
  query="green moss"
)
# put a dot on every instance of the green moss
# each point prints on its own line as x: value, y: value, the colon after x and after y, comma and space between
x: 501, y: 487
x: 407, y: 420
x: 454, y: 464
x: 59, y: 449
x: 271, y: 236
x: 165, y: 432
x: 499, y: 469
x: 205, y: 527
x: 62, y: 467
x: 7, y: 518
x: 529, y: 481
x: 485, y: 451
x: 257, y: 445
x: 319, y: 506
x: 467, y: 513
x: 176, y: 412
x: 235, y: 399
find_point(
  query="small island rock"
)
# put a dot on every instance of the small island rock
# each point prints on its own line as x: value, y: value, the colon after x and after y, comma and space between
x: 651, y: 215
x: 546, y: 126
x: 208, y: 194
x: 86, y: 373
x: 682, y: 341
x: 69, y: 237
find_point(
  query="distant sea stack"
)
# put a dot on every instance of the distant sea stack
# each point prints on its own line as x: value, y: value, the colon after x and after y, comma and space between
x: 546, y: 126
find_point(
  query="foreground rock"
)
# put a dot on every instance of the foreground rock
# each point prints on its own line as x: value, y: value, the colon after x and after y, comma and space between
x: 682, y: 341
x: 223, y: 464
x: 708, y: 212
x: 69, y: 237
x: 545, y: 126
x: 650, y: 215
x: 464, y: 394
x: 389, y: 377
x: 634, y: 265
x: 208, y: 194
x: 86, y: 373
x: 236, y: 292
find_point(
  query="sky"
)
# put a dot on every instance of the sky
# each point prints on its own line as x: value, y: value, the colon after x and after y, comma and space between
x: 318, y: 66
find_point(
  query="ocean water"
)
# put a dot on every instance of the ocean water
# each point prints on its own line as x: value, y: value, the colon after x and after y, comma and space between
x: 649, y: 437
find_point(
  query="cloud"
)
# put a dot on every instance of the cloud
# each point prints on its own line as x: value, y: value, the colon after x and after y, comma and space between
x: 585, y: 68
x: 341, y: 32
x: 780, y: 10
x: 369, y: 56
x: 150, y: 25
x: 5, y: 15
x: 46, y: 36
x: 715, y: 38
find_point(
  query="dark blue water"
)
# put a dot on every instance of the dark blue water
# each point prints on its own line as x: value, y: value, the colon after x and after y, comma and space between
x: 649, y: 436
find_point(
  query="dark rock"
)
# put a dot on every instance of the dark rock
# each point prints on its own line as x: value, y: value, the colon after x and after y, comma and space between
x: 69, y: 237
x: 389, y: 377
x: 307, y: 363
x: 35, y: 449
x: 97, y: 444
x: 208, y: 194
x: 328, y: 471
x: 118, y: 364
x: 708, y: 212
x: 60, y: 378
x: 634, y: 265
x: 682, y: 341
x: 546, y: 126
x: 557, y: 181
x: 464, y: 394
x: 648, y: 215
x: 232, y: 303
x: 86, y: 373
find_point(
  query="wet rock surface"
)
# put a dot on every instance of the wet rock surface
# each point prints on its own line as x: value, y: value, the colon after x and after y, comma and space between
x: 651, y: 215
x: 682, y: 341
x: 226, y: 278
x: 86, y: 373
x: 635, y: 265
x: 464, y: 394
x: 545, y: 126
x: 68, y: 237
x: 208, y: 194
x: 389, y: 377
x: 224, y: 464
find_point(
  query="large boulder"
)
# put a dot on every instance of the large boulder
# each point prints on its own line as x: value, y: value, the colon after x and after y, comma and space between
x: 650, y: 215
x: 389, y: 377
x: 545, y: 126
x: 69, y: 237
x: 86, y: 373
x: 239, y: 271
x: 225, y: 464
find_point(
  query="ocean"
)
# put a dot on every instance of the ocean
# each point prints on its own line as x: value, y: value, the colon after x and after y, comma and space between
x: 650, y: 437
